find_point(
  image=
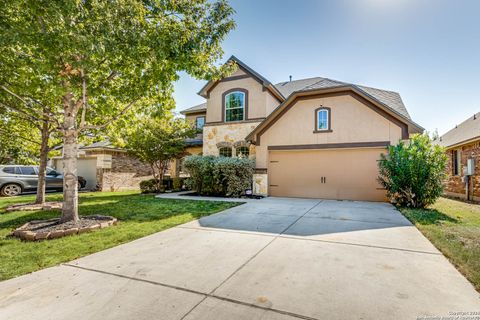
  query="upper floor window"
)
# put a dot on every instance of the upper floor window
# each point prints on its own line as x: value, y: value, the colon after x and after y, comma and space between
x: 322, y: 119
x: 200, y: 122
x: 235, y: 106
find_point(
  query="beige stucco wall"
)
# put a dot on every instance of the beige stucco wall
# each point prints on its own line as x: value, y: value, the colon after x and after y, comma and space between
x: 271, y: 103
x: 229, y: 133
x: 193, y: 117
x: 351, y: 122
x: 258, y: 100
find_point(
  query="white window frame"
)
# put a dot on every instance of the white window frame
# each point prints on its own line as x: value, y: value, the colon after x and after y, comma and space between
x: 242, y: 107
x: 327, y: 121
x: 458, y: 160
x: 196, y: 122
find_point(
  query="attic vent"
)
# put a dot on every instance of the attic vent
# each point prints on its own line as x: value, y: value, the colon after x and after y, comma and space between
x: 290, y: 78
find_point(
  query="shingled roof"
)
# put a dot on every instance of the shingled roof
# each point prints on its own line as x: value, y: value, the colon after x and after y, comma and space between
x: 198, y: 108
x: 466, y: 131
x: 389, y: 98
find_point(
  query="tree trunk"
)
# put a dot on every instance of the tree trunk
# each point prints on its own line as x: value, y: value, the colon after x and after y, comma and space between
x: 157, y: 176
x: 42, y: 168
x: 70, y: 181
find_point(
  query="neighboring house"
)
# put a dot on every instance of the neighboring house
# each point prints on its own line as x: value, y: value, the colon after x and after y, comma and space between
x: 196, y: 115
x: 463, y: 143
x: 107, y: 168
x: 316, y: 137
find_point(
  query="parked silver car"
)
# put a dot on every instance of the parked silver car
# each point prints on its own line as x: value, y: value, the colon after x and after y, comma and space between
x: 15, y: 179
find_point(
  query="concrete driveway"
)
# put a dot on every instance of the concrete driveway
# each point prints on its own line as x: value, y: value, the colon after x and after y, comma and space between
x: 274, y: 258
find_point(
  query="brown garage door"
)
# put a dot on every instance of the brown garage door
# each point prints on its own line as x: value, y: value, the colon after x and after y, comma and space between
x: 329, y: 174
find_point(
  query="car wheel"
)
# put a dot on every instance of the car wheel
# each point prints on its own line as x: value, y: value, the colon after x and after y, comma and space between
x: 11, y: 189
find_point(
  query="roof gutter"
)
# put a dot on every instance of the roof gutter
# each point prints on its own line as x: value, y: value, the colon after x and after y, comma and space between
x: 457, y: 144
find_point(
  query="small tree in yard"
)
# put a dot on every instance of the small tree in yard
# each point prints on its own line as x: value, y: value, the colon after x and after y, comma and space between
x: 79, y: 66
x: 412, y: 173
x: 157, y: 141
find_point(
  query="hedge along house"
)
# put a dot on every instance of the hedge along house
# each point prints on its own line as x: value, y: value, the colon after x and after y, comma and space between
x: 316, y: 137
x: 462, y: 145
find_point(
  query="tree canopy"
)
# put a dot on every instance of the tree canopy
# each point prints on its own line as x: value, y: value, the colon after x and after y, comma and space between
x: 84, y: 64
x: 157, y: 141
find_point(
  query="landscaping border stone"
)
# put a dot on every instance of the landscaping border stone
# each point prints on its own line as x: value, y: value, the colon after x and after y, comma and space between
x: 34, y: 206
x: 26, y: 233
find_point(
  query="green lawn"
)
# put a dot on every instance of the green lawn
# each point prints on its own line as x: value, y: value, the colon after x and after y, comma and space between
x: 454, y: 228
x: 139, y: 215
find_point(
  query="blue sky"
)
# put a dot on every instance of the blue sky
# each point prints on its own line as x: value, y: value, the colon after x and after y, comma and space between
x: 429, y: 51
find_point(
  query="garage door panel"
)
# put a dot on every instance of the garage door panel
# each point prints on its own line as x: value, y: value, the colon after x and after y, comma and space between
x: 329, y: 174
x: 87, y: 168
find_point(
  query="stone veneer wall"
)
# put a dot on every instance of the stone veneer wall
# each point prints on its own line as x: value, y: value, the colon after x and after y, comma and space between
x: 233, y: 134
x: 226, y: 133
x: 125, y: 173
x: 260, y: 183
x: 454, y: 187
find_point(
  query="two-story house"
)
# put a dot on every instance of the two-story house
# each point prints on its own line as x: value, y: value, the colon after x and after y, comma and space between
x: 316, y: 137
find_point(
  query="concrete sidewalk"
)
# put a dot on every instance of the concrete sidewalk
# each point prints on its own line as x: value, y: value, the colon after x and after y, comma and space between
x: 274, y: 258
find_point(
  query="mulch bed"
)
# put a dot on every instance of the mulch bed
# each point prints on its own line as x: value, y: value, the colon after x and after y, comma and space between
x: 34, y: 207
x: 52, y: 229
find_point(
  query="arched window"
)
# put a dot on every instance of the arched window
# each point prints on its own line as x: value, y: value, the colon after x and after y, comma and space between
x: 322, y: 120
x: 225, y: 152
x: 242, y: 152
x: 235, y: 106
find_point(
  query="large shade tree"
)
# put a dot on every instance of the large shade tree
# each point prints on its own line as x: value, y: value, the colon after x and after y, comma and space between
x: 19, y: 144
x: 84, y: 64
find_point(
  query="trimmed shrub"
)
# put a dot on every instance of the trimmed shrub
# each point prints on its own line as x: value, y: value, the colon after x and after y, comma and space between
x: 201, y: 174
x: 150, y: 186
x: 177, y: 184
x: 413, y: 173
x: 222, y: 176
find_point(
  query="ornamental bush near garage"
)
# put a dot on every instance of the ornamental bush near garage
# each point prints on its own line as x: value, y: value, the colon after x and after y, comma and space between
x: 222, y: 176
x: 413, y: 172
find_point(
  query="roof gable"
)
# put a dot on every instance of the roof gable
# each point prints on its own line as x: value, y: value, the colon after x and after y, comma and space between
x: 204, y: 92
x: 390, y: 99
x: 464, y: 132
x: 355, y: 91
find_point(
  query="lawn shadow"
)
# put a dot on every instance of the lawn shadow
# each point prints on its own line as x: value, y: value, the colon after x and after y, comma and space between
x: 28, y: 216
x: 124, y: 207
x: 427, y: 216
